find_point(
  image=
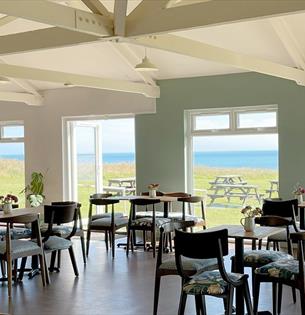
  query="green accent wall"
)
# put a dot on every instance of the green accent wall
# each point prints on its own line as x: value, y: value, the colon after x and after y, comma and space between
x: 160, y: 137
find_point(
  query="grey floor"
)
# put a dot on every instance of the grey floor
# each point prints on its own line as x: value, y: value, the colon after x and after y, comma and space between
x: 120, y: 287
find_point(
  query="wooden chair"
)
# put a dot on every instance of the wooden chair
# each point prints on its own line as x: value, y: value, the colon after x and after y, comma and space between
x: 11, y: 250
x: 167, y: 266
x: 65, y: 230
x: 146, y: 212
x: 187, y: 213
x: 145, y: 224
x: 55, y: 215
x: 282, y: 208
x: 107, y: 224
x: 257, y: 258
x: 217, y: 283
x: 284, y: 272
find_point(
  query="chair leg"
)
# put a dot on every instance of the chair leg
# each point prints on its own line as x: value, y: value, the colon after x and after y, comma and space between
x: 256, y: 294
x: 156, y: 294
x: 274, y: 298
x: 106, y: 239
x: 58, y: 259
x: 88, y: 241
x: 128, y: 242
x: 144, y: 239
x: 229, y: 304
x: 43, y: 270
x: 182, y: 303
x: 15, y: 264
x: 9, y: 277
x: 112, y: 242
x: 248, y: 299
x: 52, y: 262
x: 3, y: 268
x: 71, y: 252
x: 198, y: 303
x: 22, y: 267
x: 132, y: 239
x: 82, y: 241
x: 48, y: 281
x: 153, y: 235
x: 203, y: 308
x: 170, y: 241
x: 294, y: 295
x: 279, y: 298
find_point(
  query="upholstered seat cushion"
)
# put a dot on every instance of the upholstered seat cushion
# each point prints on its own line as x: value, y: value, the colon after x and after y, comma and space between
x: 285, y: 269
x: 106, y: 215
x: 61, y: 230
x: 57, y: 243
x: 19, y: 247
x: 143, y: 214
x: 281, y: 236
x: 177, y: 216
x: 264, y: 256
x: 190, y: 264
x: 141, y: 222
x: 208, y: 282
x: 17, y: 233
x: 106, y: 222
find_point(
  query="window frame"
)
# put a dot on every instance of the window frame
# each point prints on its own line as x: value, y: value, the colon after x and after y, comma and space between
x: 4, y: 124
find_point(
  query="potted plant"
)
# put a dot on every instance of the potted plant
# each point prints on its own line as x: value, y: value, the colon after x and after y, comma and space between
x: 34, y: 191
x: 248, y: 221
x: 7, y: 203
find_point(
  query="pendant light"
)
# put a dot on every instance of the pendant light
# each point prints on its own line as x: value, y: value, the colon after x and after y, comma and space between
x: 146, y: 65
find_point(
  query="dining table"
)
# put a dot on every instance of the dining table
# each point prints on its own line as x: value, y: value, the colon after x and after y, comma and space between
x: 238, y: 233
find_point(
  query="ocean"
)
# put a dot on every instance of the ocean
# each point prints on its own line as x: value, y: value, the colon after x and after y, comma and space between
x: 224, y: 159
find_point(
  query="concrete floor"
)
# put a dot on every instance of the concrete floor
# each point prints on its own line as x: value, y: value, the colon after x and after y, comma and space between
x: 120, y: 287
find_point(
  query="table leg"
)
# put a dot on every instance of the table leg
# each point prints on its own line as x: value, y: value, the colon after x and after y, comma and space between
x: 302, y: 223
x: 239, y: 268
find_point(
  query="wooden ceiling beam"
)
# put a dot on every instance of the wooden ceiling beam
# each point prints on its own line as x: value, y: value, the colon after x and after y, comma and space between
x: 120, y: 10
x: 142, y: 22
x: 27, y: 73
x: 195, y: 49
x: 26, y: 98
x: 54, y: 14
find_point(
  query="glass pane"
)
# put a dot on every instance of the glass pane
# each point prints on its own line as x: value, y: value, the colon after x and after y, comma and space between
x: 212, y: 122
x: 12, y: 180
x: 13, y: 131
x: 255, y: 120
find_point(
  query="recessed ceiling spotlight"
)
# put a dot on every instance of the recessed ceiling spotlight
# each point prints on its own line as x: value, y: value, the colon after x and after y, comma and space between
x: 68, y: 84
x: 4, y: 80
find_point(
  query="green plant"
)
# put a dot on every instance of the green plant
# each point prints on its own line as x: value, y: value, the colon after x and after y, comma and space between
x: 34, y: 191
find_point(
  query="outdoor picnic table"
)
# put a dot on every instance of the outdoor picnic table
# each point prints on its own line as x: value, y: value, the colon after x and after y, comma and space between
x: 121, y: 186
x: 241, y: 191
x: 228, y: 179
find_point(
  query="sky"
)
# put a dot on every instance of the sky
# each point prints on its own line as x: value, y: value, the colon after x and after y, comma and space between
x: 117, y: 136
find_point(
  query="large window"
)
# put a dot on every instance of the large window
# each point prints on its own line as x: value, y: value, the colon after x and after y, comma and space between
x: 232, y: 157
x: 12, y: 178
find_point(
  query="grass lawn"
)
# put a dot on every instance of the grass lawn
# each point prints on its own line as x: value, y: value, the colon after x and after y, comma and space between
x: 221, y: 212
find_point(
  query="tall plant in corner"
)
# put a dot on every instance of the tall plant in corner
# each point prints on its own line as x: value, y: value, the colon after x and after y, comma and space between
x: 34, y: 191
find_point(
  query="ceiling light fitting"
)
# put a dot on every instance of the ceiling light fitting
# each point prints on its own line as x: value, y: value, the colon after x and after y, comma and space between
x: 4, y: 80
x: 146, y: 65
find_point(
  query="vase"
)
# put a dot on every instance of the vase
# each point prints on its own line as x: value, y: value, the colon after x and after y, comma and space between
x: 152, y: 193
x: 300, y: 198
x: 7, y: 208
x: 248, y: 223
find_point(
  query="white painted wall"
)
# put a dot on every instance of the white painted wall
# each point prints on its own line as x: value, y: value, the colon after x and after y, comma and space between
x: 43, y: 126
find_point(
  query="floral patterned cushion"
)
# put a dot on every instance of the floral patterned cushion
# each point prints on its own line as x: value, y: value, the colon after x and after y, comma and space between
x: 263, y: 257
x: 148, y: 222
x: 286, y: 269
x: 61, y: 230
x: 190, y: 264
x: 106, y: 222
x: 177, y: 216
x: 106, y: 215
x: 209, y: 283
x: 56, y: 243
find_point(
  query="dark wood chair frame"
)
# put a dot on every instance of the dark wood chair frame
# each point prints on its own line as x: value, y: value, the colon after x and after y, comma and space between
x: 10, y: 257
x: 61, y: 214
x: 165, y: 230
x: 277, y: 283
x: 111, y: 230
x: 79, y: 224
x: 206, y: 245
x: 131, y: 241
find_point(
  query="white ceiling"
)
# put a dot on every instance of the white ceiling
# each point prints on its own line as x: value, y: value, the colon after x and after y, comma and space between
x: 255, y: 38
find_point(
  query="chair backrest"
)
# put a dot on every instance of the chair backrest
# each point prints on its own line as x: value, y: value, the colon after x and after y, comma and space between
x: 168, y: 228
x: 191, y: 200
x: 202, y: 245
x: 60, y: 214
x: 103, y: 201
x: 158, y: 193
x: 142, y: 202
x: 100, y: 195
x: 177, y: 194
x: 282, y: 208
x: 65, y: 203
x: 299, y: 237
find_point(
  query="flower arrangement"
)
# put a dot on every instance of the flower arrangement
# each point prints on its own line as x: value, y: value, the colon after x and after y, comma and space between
x: 153, y: 186
x: 8, y: 199
x: 250, y: 212
x: 298, y: 190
